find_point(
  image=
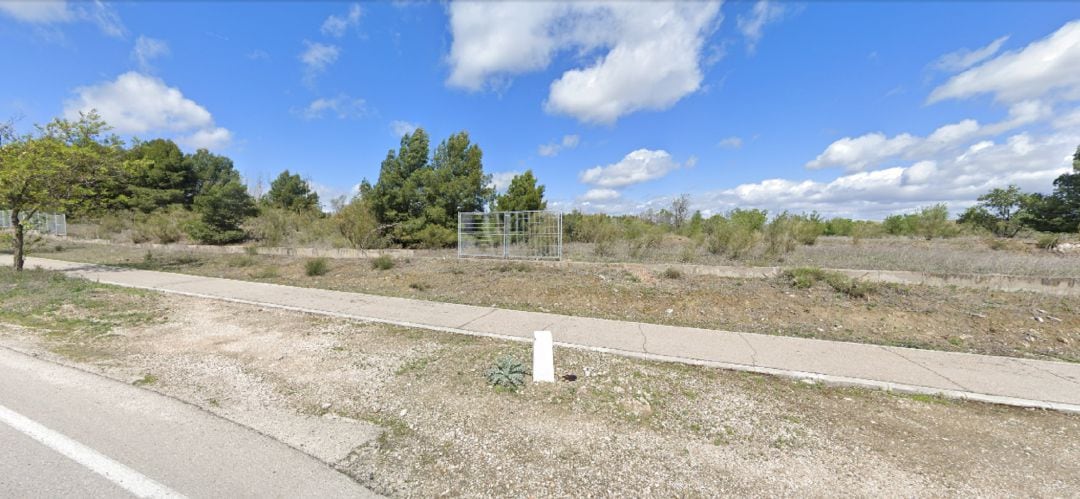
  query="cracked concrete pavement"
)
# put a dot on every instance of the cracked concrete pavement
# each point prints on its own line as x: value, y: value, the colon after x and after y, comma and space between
x: 1005, y: 380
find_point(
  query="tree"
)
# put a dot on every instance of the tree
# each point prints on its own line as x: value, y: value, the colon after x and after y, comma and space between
x: 395, y: 196
x: 290, y: 192
x: 1060, y: 211
x: 680, y: 209
x: 933, y: 221
x: 63, y: 165
x: 522, y: 194
x: 1001, y: 211
x: 163, y: 178
x: 221, y: 200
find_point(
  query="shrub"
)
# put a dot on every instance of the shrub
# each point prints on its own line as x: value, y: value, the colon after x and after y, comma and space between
x: 853, y: 288
x: 382, y: 262
x: 316, y: 267
x: 241, y: 261
x: 419, y: 286
x: 672, y: 273
x: 732, y: 237
x: 507, y: 374
x: 804, y: 277
x: 780, y: 235
x: 1048, y: 241
x: 163, y: 226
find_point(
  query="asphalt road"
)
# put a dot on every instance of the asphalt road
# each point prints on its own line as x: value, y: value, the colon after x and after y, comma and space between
x: 68, y: 433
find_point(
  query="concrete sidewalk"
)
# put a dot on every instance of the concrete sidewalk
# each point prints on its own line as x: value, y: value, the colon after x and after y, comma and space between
x: 1004, y: 380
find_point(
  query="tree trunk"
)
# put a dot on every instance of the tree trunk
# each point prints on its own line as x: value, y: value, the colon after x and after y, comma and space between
x: 18, y: 245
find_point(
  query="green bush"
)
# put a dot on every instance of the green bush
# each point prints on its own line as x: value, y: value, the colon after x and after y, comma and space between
x: 162, y: 226
x: 804, y: 277
x: 506, y: 374
x: 382, y: 262
x: 671, y: 273
x: 1049, y: 241
x: 316, y: 267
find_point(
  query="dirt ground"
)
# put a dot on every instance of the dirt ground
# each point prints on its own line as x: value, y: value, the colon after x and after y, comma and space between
x: 625, y: 427
x: 1020, y: 324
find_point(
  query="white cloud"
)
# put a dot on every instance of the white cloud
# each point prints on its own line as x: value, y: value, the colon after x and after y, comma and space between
x: 53, y: 12
x: 400, y: 128
x: 964, y: 58
x: 135, y: 103
x: 1045, y: 69
x: 341, y: 106
x: 639, y: 166
x: 146, y: 50
x: 38, y: 12
x: 650, y: 61
x: 316, y: 58
x: 210, y: 138
x: 501, y: 180
x: 258, y: 55
x: 554, y: 148
x: 600, y: 195
x: 731, y: 143
x: 873, y: 149
x: 336, y: 26
x: 752, y: 24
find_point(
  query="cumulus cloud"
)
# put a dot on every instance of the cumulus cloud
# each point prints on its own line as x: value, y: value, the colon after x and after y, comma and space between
x: 54, y: 12
x: 400, y: 128
x: 146, y: 50
x: 965, y: 58
x: 136, y: 103
x: 600, y: 195
x: 336, y: 26
x: 873, y: 149
x: 342, y: 106
x: 639, y: 166
x: 316, y: 57
x: 501, y: 180
x: 1045, y: 69
x: 554, y: 148
x: 651, y: 51
x: 731, y: 143
x: 752, y: 24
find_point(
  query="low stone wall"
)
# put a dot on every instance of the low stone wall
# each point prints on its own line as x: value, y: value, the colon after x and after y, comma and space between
x: 342, y: 253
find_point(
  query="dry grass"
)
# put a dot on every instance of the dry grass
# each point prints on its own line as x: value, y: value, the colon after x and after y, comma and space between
x: 966, y: 255
x: 624, y: 428
x: 978, y: 321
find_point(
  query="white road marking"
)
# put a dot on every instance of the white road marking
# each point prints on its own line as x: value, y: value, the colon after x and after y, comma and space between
x: 138, y: 484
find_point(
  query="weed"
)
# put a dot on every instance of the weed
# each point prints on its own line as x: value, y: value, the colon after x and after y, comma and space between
x: 413, y: 366
x: 316, y: 267
x: 382, y: 262
x: 514, y: 267
x: 419, y: 286
x: 251, y: 250
x: 672, y: 273
x: 147, y: 379
x: 507, y: 374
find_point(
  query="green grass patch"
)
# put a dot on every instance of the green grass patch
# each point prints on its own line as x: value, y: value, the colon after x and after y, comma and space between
x: 52, y: 301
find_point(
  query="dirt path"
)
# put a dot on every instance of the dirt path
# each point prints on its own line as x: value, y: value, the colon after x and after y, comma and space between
x: 628, y: 427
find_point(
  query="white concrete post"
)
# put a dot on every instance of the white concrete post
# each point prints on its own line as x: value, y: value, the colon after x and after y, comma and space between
x: 543, y: 358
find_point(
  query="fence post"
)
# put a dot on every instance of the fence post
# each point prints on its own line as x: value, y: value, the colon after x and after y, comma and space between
x: 506, y: 235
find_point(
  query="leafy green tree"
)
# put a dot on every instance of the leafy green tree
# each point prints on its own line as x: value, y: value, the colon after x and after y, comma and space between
x: 1005, y: 206
x: 162, y: 178
x: 221, y: 200
x: 64, y: 165
x: 1060, y: 211
x: 290, y: 192
x: 522, y: 194
x: 358, y: 225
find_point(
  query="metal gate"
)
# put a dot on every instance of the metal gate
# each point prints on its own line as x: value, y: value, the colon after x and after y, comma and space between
x: 45, y: 223
x: 526, y: 235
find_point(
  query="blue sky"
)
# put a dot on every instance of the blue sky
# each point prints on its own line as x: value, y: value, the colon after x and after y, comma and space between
x: 856, y: 109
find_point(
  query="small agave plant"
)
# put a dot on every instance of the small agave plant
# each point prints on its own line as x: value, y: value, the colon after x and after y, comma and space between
x: 507, y: 373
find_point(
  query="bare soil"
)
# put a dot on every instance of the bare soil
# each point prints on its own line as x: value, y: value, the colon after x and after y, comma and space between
x: 625, y: 427
x: 1019, y: 324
